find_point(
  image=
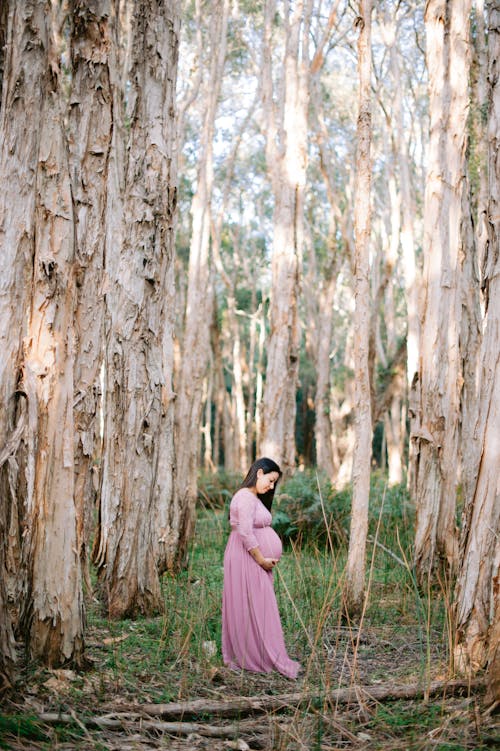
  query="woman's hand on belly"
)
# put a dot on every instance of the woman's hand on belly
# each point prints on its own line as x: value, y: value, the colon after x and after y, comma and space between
x: 266, y: 563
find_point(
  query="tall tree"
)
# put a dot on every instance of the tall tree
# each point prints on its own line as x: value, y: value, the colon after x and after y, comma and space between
x: 91, y: 128
x: 478, y: 584
x: 38, y: 335
x: 479, y: 123
x: 355, y: 573
x: 326, y: 454
x: 137, y: 518
x: 436, y: 433
x: 53, y: 608
x: 198, y: 313
x: 323, y: 341
x: 23, y: 72
x: 286, y: 157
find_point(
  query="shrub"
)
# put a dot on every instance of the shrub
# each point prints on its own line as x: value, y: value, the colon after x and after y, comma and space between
x: 305, y: 500
x: 303, y: 503
x: 215, y: 490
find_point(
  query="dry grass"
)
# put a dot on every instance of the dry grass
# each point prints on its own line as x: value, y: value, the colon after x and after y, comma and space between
x: 404, y: 637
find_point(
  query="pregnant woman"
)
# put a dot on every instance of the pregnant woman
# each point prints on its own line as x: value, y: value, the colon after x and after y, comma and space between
x: 252, y: 637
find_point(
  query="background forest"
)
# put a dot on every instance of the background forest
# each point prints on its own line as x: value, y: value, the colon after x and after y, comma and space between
x: 234, y: 229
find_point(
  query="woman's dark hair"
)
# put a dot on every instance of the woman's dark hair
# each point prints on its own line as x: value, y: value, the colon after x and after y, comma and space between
x: 250, y: 481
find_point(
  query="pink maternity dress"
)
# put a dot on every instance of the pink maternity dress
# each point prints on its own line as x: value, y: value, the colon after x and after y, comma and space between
x: 252, y: 637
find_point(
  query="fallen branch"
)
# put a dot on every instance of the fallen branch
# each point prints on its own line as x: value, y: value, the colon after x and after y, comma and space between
x: 258, y: 704
x: 138, y: 716
x: 122, y: 722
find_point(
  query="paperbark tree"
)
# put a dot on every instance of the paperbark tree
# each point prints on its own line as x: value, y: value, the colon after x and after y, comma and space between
x: 53, y: 609
x: 407, y: 234
x: 198, y: 314
x: 479, y: 124
x: 326, y: 451
x: 478, y: 584
x: 23, y: 71
x: 4, y: 15
x: 355, y: 569
x: 392, y: 418
x: 230, y: 283
x: 323, y: 425
x: 91, y: 128
x: 38, y: 252
x: 436, y: 432
x: 286, y: 158
x: 138, y: 520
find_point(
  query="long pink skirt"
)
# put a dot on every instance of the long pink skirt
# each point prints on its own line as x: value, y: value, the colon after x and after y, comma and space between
x: 252, y: 637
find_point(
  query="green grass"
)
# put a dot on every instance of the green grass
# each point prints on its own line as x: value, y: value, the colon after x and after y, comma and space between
x: 425, y: 726
x: 16, y: 729
x: 20, y: 726
x: 308, y: 586
x: 403, y: 637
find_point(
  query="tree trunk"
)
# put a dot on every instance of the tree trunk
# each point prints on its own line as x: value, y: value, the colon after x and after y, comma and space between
x: 138, y: 523
x: 259, y: 379
x: 4, y: 18
x: 408, y: 210
x: 323, y: 425
x: 342, y: 419
x: 287, y: 164
x: 480, y: 106
x: 233, y: 328
x: 219, y: 388
x: 250, y: 431
x: 478, y: 598
x: 208, y: 395
x: 392, y: 429
x: 52, y: 619
x: 478, y: 585
x: 228, y: 427
x: 198, y: 315
x: 238, y: 395
x: 23, y: 70
x: 392, y: 418
x: 407, y: 238
x: 355, y: 572
x: 470, y: 335
x: 436, y: 434
x: 91, y: 127
x: 327, y: 434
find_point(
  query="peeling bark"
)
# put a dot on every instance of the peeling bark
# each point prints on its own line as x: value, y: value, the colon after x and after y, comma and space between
x: 53, y: 610
x: 23, y: 71
x: 436, y: 427
x: 91, y: 128
x: 138, y: 519
x: 478, y: 584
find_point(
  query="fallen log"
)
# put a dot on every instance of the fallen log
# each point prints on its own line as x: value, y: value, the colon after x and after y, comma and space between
x: 138, y: 716
x: 245, y: 705
x: 138, y: 722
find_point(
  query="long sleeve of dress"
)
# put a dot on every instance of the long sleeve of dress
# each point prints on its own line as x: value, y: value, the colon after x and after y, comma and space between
x: 244, y: 521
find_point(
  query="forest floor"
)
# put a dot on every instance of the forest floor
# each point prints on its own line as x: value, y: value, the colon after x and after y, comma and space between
x: 138, y: 666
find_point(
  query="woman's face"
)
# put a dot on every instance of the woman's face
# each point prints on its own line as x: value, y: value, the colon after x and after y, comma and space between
x: 265, y: 482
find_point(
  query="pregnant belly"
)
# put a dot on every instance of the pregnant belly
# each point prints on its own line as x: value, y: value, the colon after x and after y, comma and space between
x: 269, y: 542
